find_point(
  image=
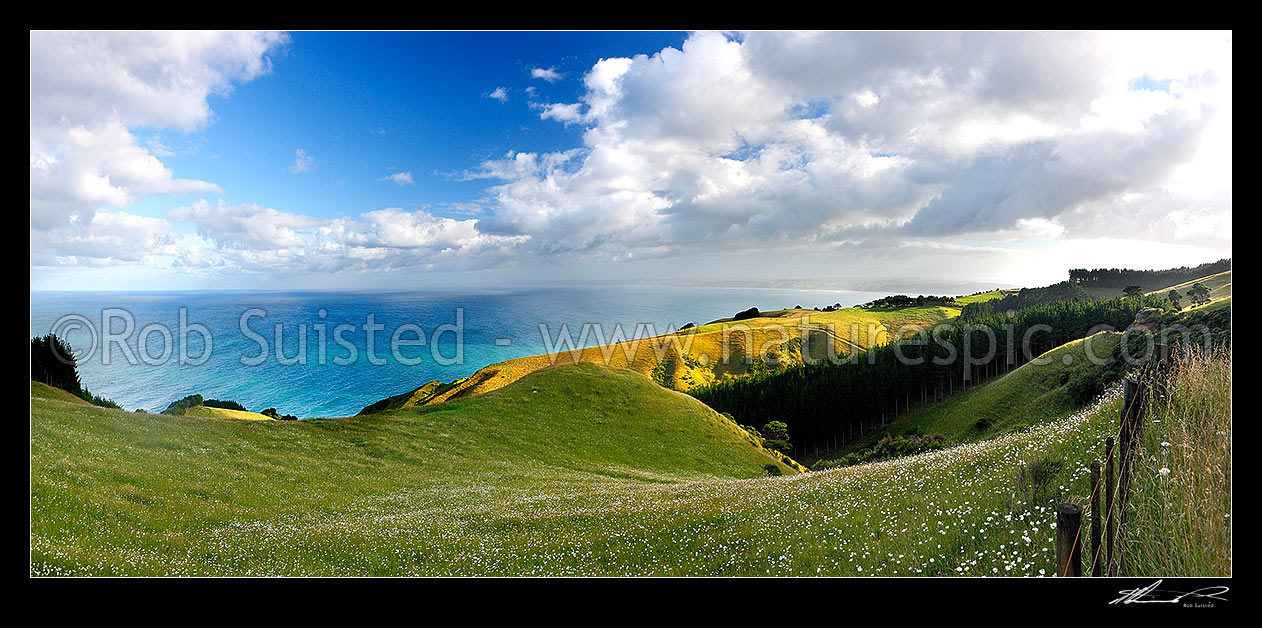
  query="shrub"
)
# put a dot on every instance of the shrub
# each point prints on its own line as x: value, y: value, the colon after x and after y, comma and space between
x: 982, y: 424
x: 1086, y: 387
x: 750, y: 313
x: 778, y: 445
x: 661, y: 373
x: 772, y: 470
x: 776, y: 430
x: 278, y: 416
x: 1034, y: 480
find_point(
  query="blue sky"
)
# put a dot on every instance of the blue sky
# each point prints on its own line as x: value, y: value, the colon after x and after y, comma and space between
x: 364, y: 106
x: 334, y: 160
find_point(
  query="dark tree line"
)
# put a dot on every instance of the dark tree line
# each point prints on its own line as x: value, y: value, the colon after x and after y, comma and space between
x: 902, y: 300
x: 1027, y: 297
x: 1147, y: 279
x: 53, y: 363
x: 829, y: 403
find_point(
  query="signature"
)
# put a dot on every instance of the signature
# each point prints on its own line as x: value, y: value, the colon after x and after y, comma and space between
x: 1152, y: 595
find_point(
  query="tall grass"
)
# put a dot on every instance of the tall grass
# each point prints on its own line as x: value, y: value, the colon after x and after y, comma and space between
x: 1179, y: 519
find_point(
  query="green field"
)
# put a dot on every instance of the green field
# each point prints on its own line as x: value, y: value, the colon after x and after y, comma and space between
x: 587, y: 469
x: 574, y: 470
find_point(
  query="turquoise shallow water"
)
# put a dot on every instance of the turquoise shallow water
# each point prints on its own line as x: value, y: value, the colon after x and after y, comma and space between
x: 493, y: 326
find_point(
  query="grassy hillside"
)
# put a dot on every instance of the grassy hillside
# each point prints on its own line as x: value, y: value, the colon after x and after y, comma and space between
x: 523, y: 482
x: 1035, y: 393
x: 700, y: 355
x: 40, y: 390
x: 985, y: 296
x: 1219, y: 284
x: 419, y: 493
x: 1219, y: 289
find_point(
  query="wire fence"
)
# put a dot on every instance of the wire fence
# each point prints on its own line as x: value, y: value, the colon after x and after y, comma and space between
x: 1110, y: 483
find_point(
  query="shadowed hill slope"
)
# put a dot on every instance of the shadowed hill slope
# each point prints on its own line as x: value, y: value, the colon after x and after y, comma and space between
x: 1037, y: 392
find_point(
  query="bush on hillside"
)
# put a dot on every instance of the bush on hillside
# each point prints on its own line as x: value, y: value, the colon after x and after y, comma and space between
x: 662, y: 373
x: 1034, y: 481
x: 750, y: 313
x: 778, y: 445
x: 776, y: 430
x: 889, y: 446
x: 182, y: 405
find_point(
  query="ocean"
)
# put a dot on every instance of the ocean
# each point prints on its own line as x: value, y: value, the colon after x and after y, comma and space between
x: 157, y: 348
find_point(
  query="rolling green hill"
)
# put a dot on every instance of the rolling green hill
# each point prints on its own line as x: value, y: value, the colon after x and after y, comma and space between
x: 457, y: 491
x: 573, y: 470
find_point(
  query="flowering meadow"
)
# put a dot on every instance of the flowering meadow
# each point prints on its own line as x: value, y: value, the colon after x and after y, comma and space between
x: 418, y: 493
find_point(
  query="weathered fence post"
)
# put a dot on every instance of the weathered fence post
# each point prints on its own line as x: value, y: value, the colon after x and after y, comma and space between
x: 1096, y: 567
x: 1131, y: 424
x: 1068, y: 540
x: 1134, y: 398
x: 1108, y: 502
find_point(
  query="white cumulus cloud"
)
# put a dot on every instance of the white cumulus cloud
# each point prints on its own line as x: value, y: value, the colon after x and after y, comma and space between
x: 90, y: 89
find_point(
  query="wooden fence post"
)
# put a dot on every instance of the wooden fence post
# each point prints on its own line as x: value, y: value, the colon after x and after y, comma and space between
x: 1068, y: 540
x: 1132, y: 410
x: 1134, y: 397
x: 1108, y: 503
x: 1096, y: 554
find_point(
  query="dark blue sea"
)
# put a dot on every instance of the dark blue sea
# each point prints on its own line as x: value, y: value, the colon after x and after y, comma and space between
x: 157, y: 352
